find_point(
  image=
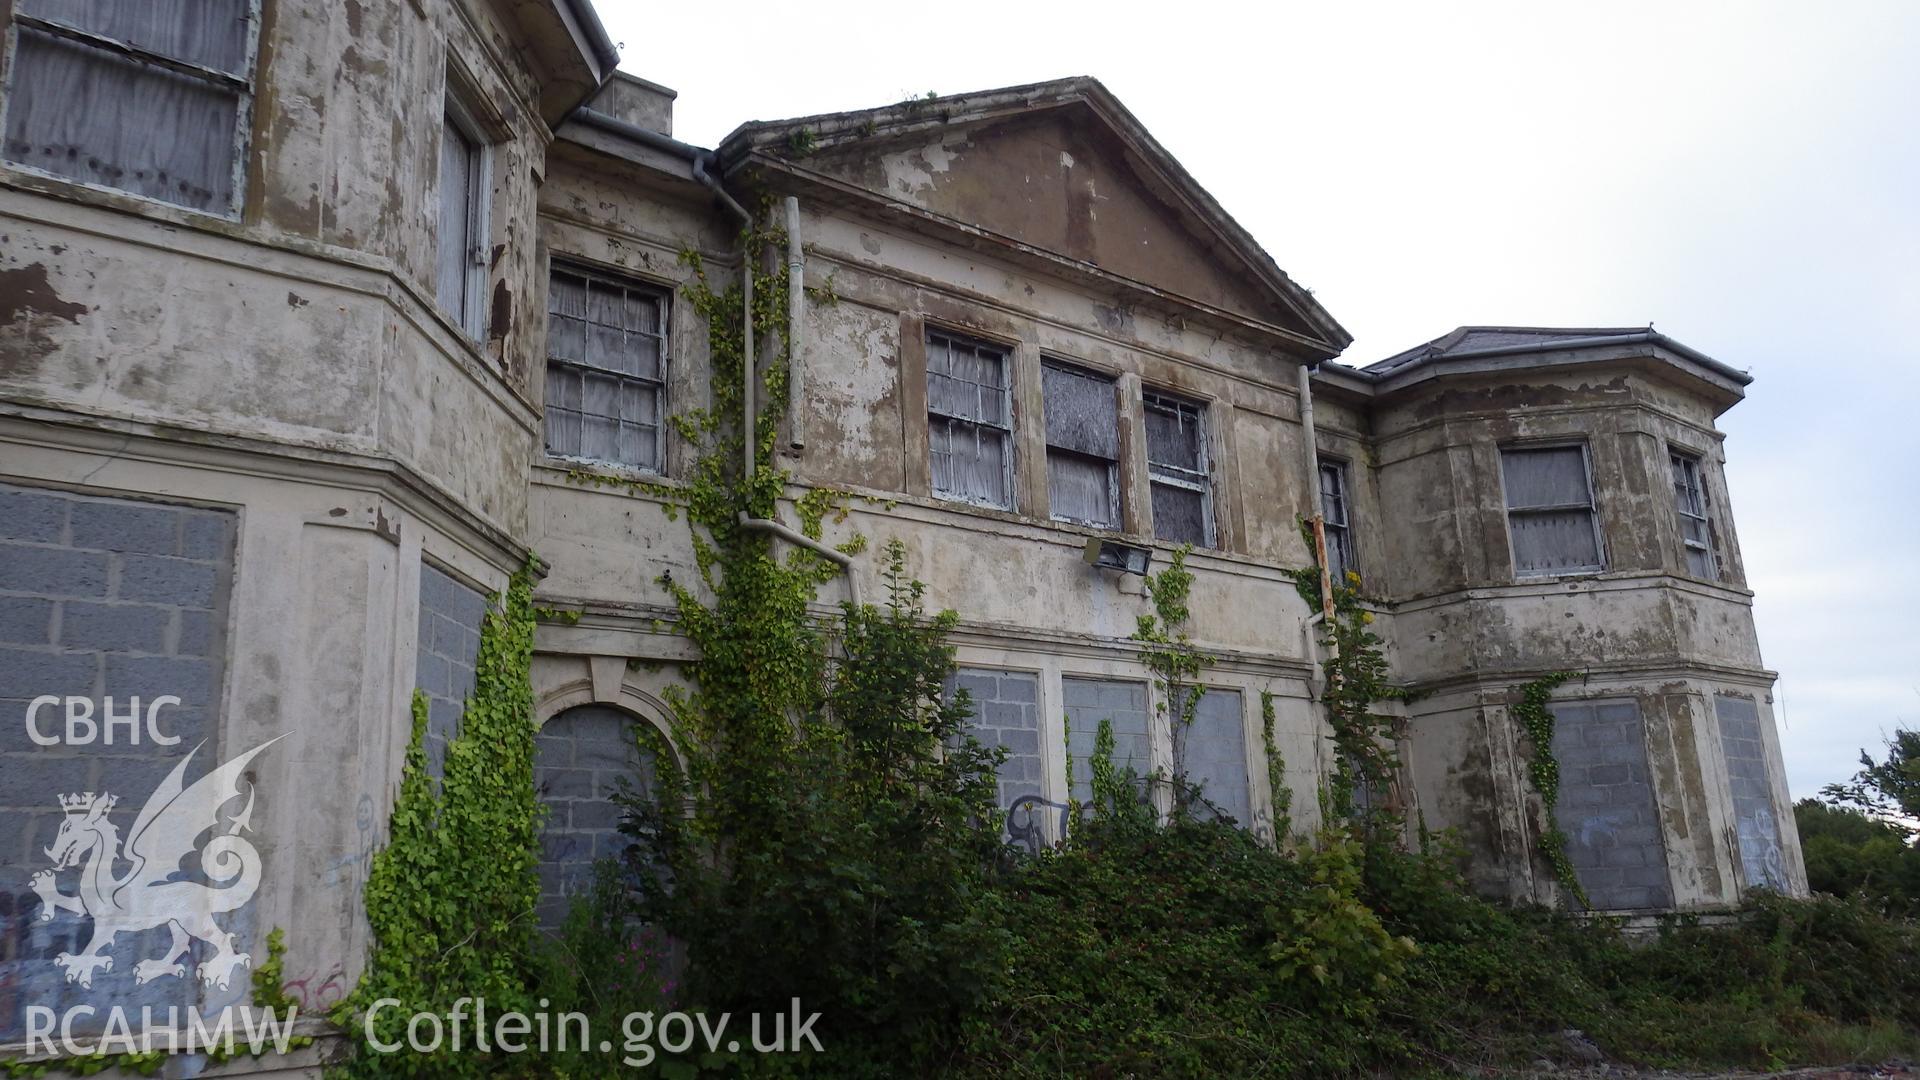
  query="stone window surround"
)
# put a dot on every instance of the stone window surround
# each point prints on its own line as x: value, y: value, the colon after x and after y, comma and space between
x: 1594, y: 508
x: 1051, y: 668
x: 1025, y: 359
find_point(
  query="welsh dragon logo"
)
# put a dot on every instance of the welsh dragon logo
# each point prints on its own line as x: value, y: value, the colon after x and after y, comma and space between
x: 165, y: 833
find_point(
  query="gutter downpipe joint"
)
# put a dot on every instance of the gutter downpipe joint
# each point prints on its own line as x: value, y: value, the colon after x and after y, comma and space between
x: 749, y: 377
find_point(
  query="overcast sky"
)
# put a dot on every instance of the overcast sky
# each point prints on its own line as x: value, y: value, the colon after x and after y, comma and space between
x: 1745, y: 176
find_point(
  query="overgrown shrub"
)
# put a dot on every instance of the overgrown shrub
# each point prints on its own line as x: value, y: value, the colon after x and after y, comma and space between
x: 1848, y: 852
x: 852, y: 868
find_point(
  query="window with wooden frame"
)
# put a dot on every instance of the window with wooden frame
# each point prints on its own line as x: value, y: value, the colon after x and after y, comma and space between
x: 1550, y: 511
x: 606, y: 369
x: 149, y: 97
x: 1334, y: 508
x: 1690, y: 505
x: 466, y: 186
x: 1179, y: 474
x: 969, y: 420
x: 1083, y: 445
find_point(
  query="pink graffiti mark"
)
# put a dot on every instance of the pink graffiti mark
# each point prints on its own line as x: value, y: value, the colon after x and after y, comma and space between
x: 316, y: 993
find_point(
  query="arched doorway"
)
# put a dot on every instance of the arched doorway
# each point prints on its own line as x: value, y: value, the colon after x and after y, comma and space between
x: 580, y: 758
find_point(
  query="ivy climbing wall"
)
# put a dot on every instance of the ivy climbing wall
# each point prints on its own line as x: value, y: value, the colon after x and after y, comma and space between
x: 445, y: 654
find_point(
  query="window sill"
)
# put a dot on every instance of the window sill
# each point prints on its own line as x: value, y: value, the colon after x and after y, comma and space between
x: 567, y: 468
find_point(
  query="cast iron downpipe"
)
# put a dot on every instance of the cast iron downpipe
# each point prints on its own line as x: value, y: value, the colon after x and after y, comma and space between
x: 702, y: 161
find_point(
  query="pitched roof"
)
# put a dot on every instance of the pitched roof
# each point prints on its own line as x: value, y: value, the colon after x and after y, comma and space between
x: 773, y: 142
x: 1499, y: 349
x: 1473, y: 339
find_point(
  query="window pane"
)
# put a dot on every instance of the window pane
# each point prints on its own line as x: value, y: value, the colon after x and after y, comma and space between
x: 211, y: 33
x: 980, y: 467
x: 1173, y: 434
x: 966, y: 381
x: 1555, y: 476
x: 1544, y: 542
x: 456, y: 202
x: 99, y: 118
x: 1080, y: 488
x: 1180, y: 515
x: 940, y: 453
x: 1339, y: 550
x: 1700, y: 563
x: 968, y: 461
x: 1082, y: 414
x: 563, y: 412
x: 1333, y: 494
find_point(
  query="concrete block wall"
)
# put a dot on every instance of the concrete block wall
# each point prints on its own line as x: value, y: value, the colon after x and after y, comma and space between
x: 1761, y: 862
x: 1606, y: 806
x: 445, y: 654
x: 580, y: 759
x: 1006, y: 712
x: 1125, y: 704
x: 1216, y: 753
x: 103, y: 599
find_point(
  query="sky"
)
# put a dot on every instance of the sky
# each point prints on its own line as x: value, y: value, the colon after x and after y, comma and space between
x: 1744, y: 176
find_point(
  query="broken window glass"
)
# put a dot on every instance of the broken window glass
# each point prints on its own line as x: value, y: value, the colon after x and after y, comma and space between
x: 143, y: 96
x: 606, y: 369
x: 1177, y: 467
x: 1690, y: 502
x: 1083, y: 446
x: 1550, y: 516
x: 969, y: 421
x: 1333, y: 507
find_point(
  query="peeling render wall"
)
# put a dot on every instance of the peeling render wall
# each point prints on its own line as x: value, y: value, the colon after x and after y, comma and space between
x: 290, y: 371
x: 287, y: 371
x: 1027, y: 599
x: 309, y: 321
x: 1469, y: 633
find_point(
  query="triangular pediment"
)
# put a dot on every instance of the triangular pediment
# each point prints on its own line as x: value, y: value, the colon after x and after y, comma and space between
x: 1063, y: 169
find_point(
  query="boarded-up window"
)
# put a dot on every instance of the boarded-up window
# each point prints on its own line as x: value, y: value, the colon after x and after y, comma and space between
x: 1215, y: 754
x: 969, y: 421
x: 1083, y: 446
x: 460, y: 269
x: 606, y: 369
x: 1607, y: 809
x: 1690, y: 503
x: 1751, y: 785
x: 144, y: 96
x: 1333, y: 506
x: 1177, y: 467
x: 1123, y: 705
x: 1550, y: 514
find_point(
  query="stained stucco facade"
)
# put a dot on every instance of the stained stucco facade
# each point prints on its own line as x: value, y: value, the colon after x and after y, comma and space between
x: 288, y: 367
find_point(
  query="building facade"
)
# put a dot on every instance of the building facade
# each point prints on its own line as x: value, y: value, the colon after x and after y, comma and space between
x: 312, y: 318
